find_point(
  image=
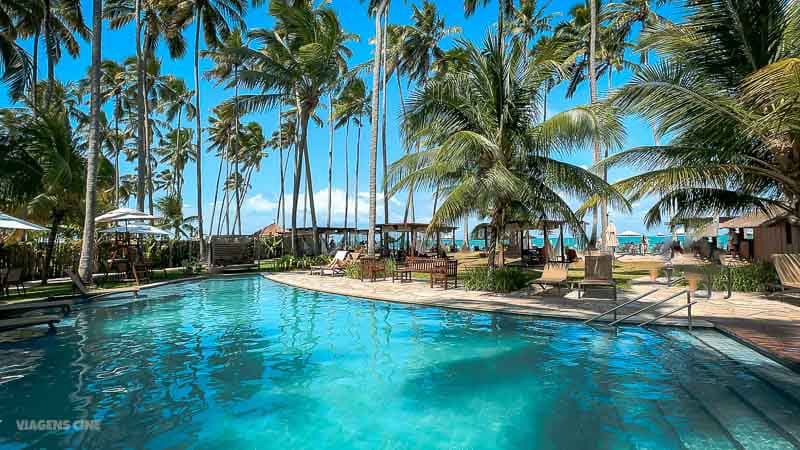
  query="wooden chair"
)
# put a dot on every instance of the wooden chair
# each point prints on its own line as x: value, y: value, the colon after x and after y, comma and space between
x: 788, y: 267
x: 443, y: 272
x: 77, y: 284
x: 598, y: 272
x: 554, y: 274
x: 371, y: 268
x: 13, y: 278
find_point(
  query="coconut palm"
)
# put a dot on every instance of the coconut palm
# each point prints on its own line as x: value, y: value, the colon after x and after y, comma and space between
x: 488, y: 151
x: 16, y: 67
x: 175, y: 102
x: 95, y: 138
x: 352, y: 106
x: 228, y: 59
x: 725, y: 95
x: 300, y: 59
x: 528, y: 21
x: 175, y: 149
x: 215, y: 17
x: 221, y: 130
x: 154, y: 21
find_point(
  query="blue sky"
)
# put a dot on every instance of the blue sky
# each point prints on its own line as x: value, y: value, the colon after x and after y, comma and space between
x: 260, y: 206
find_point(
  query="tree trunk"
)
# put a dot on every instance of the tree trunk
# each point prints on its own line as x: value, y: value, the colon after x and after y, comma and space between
x: 87, y: 244
x: 236, y: 149
x: 383, y: 127
x: 410, y: 199
x: 48, y: 43
x: 310, y: 193
x: 199, y: 150
x: 179, y: 175
x: 358, y: 167
x: 330, y: 156
x: 373, y: 153
x: 346, y: 182
x: 465, y: 245
x: 58, y: 216
x: 34, y: 91
x: 147, y: 56
x: 302, y: 123
x: 282, y: 200
x: 141, y: 170
x: 216, y: 194
x: 593, y: 97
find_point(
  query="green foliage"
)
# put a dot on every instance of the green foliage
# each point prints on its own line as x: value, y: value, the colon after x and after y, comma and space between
x: 756, y: 277
x: 353, y: 270
x: 507, y: 279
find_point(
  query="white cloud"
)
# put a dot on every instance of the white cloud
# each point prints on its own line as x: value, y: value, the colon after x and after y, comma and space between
x: 259, y: 204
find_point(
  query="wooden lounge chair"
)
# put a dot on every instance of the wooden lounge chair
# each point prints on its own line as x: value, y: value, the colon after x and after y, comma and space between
x: 19, y: 322
x: 554, y: 274
x: 77, y: 283
x: 33, y: 305
x: 335, y: 267
x: 598, y: 272
x: 788, y: 267
x: 13, y: 278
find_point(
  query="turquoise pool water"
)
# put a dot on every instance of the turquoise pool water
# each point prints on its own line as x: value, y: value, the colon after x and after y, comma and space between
x: 247, y: 363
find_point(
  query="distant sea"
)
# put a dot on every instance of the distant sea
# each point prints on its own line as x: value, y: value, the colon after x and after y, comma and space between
x: 722, y: 241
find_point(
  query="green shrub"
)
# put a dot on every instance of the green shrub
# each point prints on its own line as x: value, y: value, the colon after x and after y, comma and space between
x: 756, y: 277
x: 353, y: 270
x: 507, y: 279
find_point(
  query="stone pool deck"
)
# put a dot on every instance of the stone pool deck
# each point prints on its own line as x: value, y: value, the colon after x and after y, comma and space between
x: 767, y: 324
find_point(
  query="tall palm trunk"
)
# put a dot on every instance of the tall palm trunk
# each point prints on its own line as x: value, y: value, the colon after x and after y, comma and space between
x: 179, y: 176
x: 310, y: 194
x: 596, y: 155
x: 57, y: 216
x: 373, y: 152
x: 302, y: 123
x: 330, y: 156
x: 384, y: 185
x: 141, y: 170
x: 410, y: 199
x: 465, y: 245
x: 216, y: 193
x: 358, y: 169
x: 236, y: 148
x: 116, y: 151
x: 34, y: 92
x: 282, y: 204
x: 48, y: 44
x: 346, y: 182
x: 199, y: 150
x: 87, y: 244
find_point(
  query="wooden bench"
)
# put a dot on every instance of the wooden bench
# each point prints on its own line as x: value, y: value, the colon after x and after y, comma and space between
x: 231, y: 256
x: 437, y: 268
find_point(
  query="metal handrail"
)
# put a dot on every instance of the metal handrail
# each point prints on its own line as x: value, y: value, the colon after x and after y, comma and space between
x: 688, y: 305
x: 614, y: 309
x: 652, y: 305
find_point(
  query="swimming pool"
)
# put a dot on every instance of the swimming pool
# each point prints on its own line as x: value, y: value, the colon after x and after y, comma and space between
x: 247, y: 363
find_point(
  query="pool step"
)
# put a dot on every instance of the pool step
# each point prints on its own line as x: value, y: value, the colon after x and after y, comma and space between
x: 755, y: 417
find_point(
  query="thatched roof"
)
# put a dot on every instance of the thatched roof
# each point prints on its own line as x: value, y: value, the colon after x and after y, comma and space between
x: 755, y: 220
x: 272, y: 229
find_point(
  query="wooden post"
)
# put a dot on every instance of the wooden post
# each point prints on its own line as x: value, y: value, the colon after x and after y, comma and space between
x: 561, y: 238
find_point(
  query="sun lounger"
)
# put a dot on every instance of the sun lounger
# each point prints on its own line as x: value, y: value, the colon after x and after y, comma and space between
x: 25, y: 306
x: 788, y: 267
x: 13, y: 278
x: 335, y: 267
x: 19, y: 322
x: 598, y: 272
x: 86, y: 292
x: 554, y: 274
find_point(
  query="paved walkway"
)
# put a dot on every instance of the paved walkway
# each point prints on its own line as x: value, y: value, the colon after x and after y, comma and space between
x: 771, y: 325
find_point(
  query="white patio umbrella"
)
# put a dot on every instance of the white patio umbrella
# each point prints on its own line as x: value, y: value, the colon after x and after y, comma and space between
x: 629, y: 233
x: 137, y: 228
x: 12, y: 223
x: 123, y: 214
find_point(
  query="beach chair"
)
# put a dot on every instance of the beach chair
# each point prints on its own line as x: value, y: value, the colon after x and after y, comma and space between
x: 13, y: 278
x: 77, y: 283
x: 788, y: 267
x: 598, y: 272
x: 336, y: 266
x: 554, y: 274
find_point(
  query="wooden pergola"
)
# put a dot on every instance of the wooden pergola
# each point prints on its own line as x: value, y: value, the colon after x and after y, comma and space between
x: 520, y: 228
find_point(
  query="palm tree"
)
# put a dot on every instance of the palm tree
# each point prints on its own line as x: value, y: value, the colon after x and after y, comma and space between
x: 16, y: 69
x: 493, y: 157
x: 170, y: 208
x: 87, y: 244
x: 176, y: 149
x: 351, y: 106
x: 300, y: 59
x: 377, y: 8
x: 228, y: 59
x: 221, y: 130
x: 726, y: 96
x: 528, y: 21
x: 251, y: 153
x: 214, y: 17
x: 153, y: 21
x: 175, y: 102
